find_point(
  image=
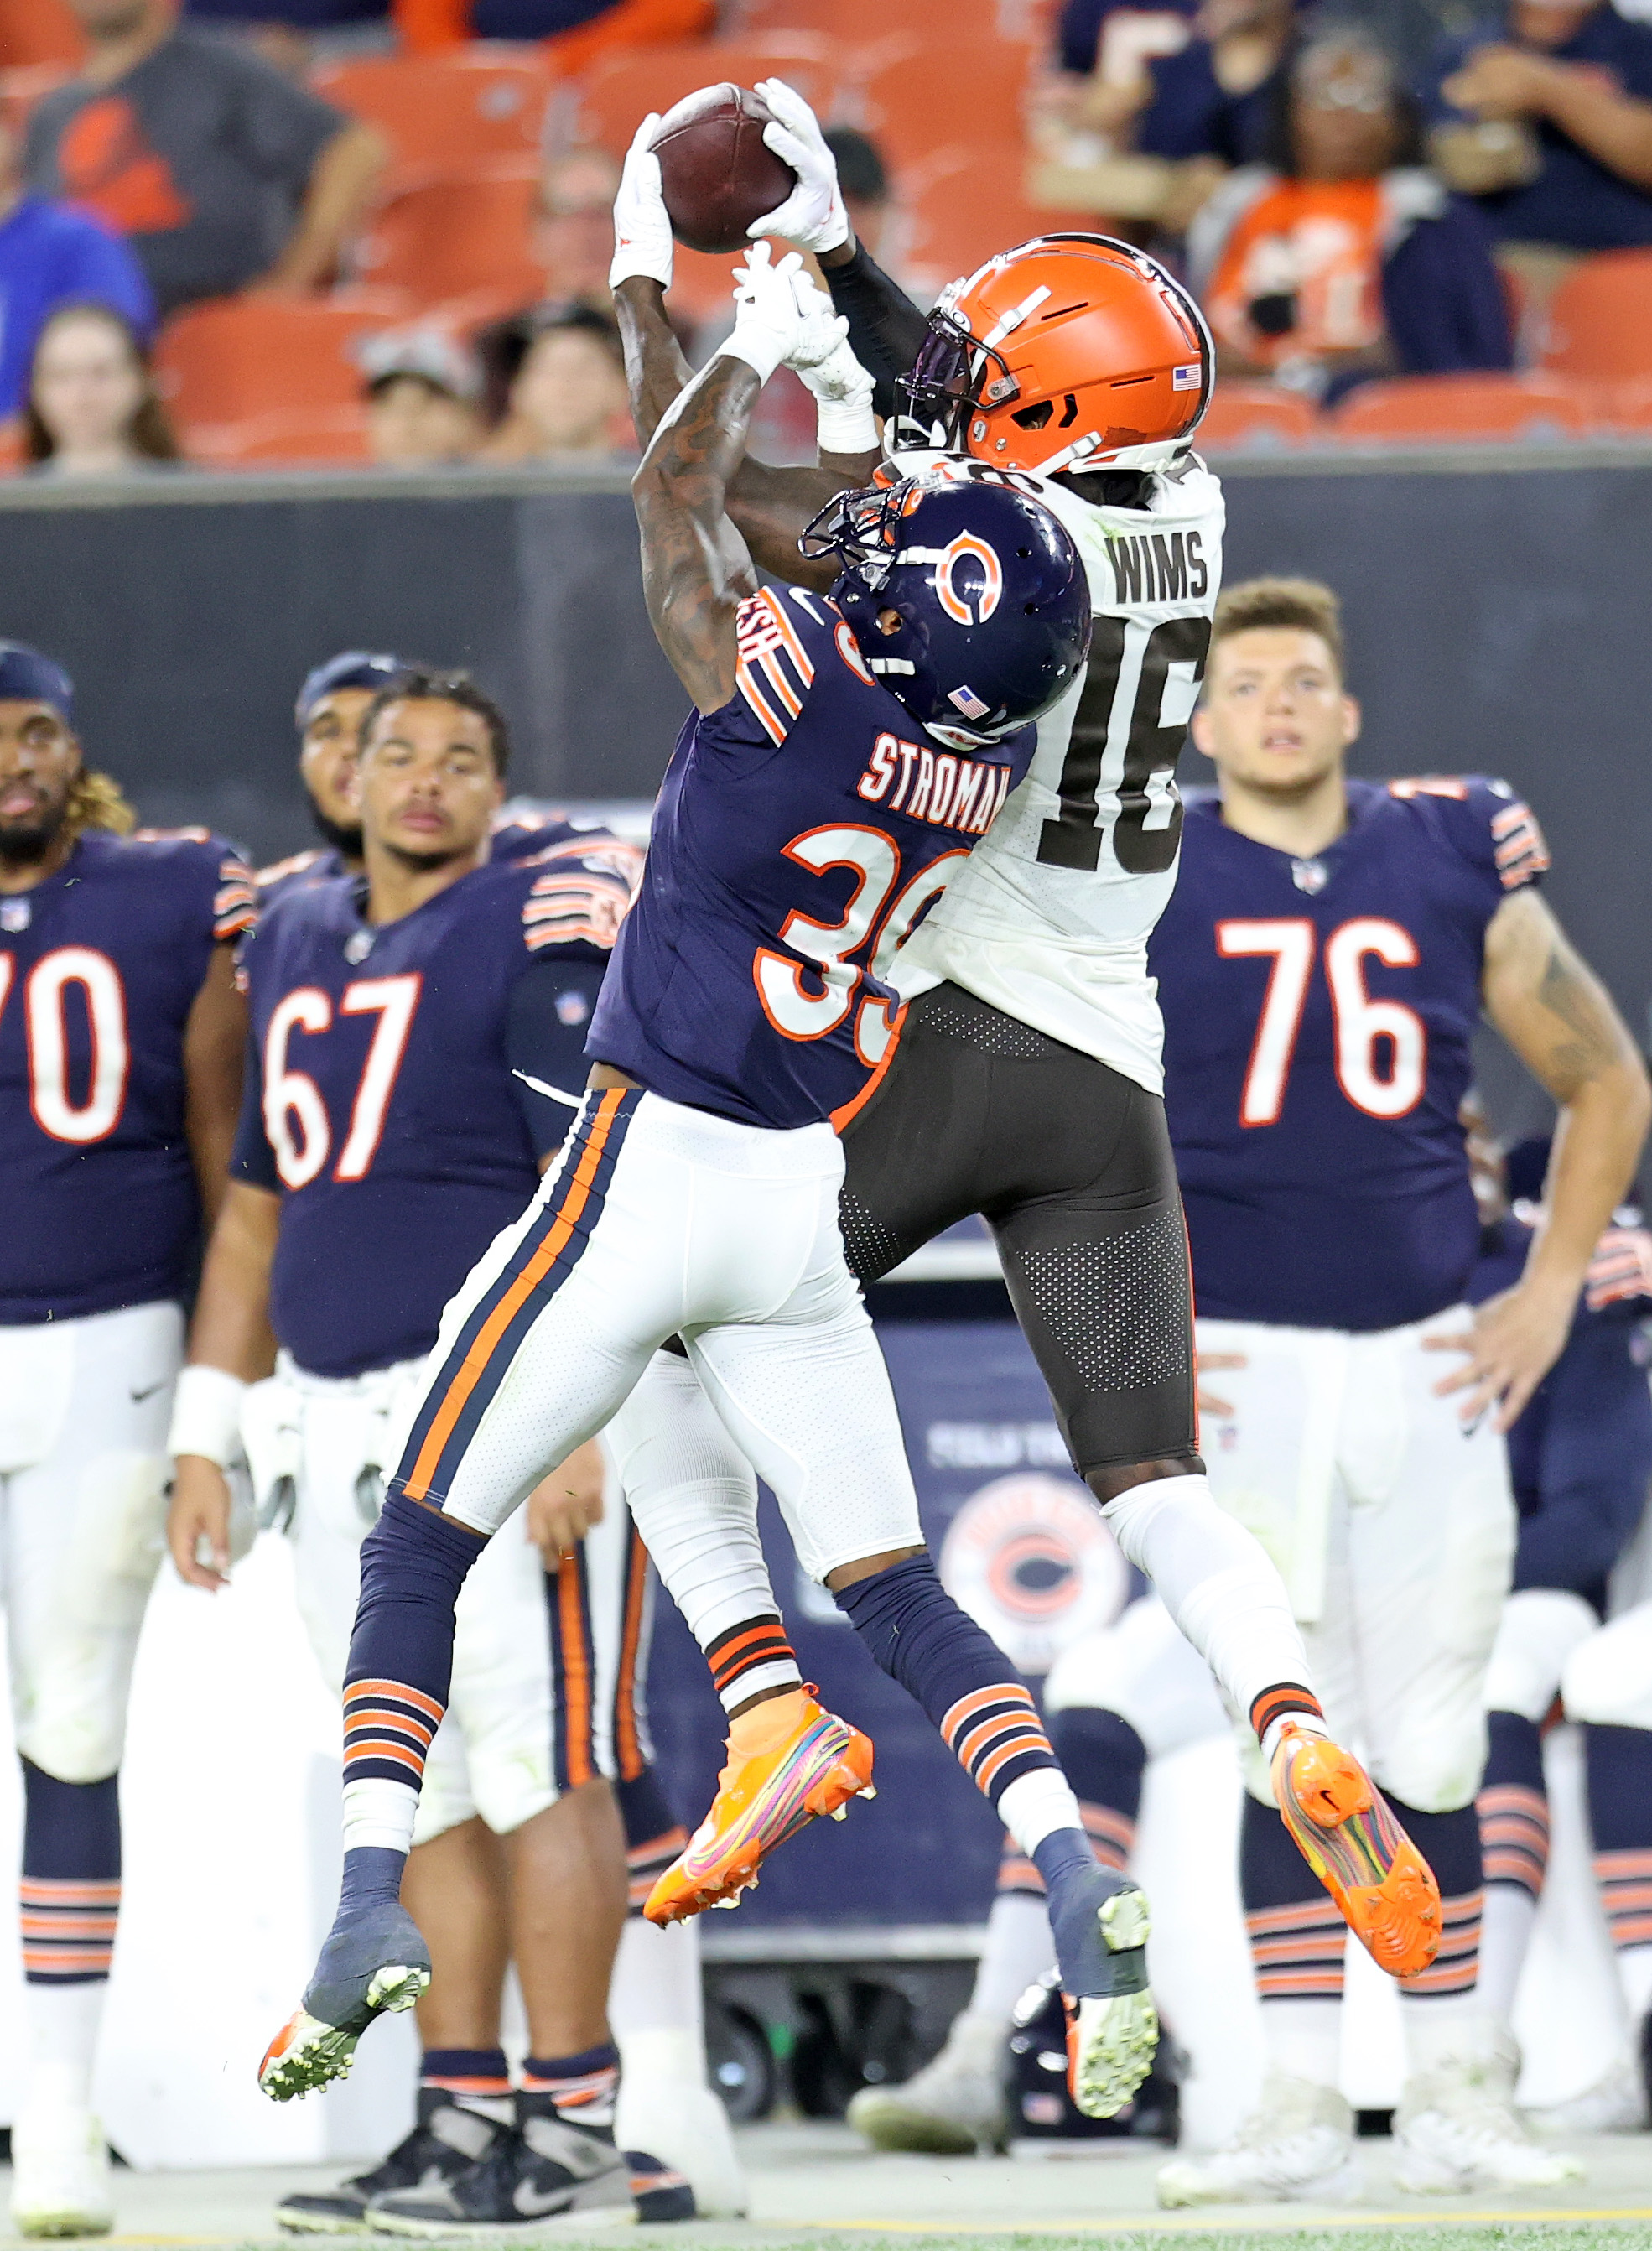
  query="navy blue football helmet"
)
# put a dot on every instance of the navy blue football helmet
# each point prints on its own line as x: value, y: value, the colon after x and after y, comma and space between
x: 984, y: 593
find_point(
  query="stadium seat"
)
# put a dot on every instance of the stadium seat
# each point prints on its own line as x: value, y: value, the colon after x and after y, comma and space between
x: 959, y: 207
x: 1447, y: 409
x: 446, y: 113
x: 35, y: 32
x: 1255, y: 416
x: 239, y: 357
x: 618, y: 92
x: 269, y: 440
x: 918, y: 97
x: 449, y: 236
x: 1600, y: 321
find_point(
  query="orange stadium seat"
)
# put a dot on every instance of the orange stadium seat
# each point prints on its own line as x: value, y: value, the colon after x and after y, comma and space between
x: 319, y: 440
x: 960, y: 207
x: 239, y: 357
x: 619, y: 90
x: 1600, y: 321
x: 446, y: 112
x: 1441, y: 409
x: 1255, y: 416
x: 34, y: 31
x: 918, y: 97
x: 447, y: 237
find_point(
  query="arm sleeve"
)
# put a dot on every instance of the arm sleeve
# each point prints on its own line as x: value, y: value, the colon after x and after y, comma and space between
x: 253, y: 1159
x: 284, y: 128
x: 545, y: 1025
x: 1595, y: 1465
x: 886, y: 329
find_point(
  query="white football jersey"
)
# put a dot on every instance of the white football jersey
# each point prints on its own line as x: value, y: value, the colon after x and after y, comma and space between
x: 1049, y: 917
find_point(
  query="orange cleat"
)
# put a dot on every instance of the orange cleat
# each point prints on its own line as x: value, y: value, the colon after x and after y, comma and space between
x: 1340, y: 1820
x: 813, y: 1764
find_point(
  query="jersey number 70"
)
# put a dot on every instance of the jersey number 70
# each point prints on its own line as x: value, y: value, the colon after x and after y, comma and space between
x: 1139, y: 689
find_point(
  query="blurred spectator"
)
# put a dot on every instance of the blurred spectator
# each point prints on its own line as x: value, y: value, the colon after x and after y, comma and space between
x: 573, y: 239
x: 864, y: 181
x: 1345, y: 259
x: 92, y: 409
x: 424, y: 393
x: 297, y: 35
x: 1546, y: 116
x: 51, y: 255
x: 220, y: 171
x: 568, y: 401
x: 574, y: 33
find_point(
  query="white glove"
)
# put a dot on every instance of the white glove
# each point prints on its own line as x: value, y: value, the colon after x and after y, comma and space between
x: 812, y: 214
x: 823, y: 360
x: 642, y: 232
x: 770, y: 311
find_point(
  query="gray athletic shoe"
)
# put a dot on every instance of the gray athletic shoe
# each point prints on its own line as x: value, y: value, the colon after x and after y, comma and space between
x: 545, y: 2170
x: 447, y: 2140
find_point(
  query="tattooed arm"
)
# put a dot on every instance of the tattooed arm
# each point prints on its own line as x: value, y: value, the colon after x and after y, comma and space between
x: 1558, y: 1019
x: 695, y: 569
x: 769, y: 507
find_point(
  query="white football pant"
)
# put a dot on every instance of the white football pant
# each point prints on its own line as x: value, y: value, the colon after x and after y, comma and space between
x: 1393, y: 1526
x: 85, y: 1407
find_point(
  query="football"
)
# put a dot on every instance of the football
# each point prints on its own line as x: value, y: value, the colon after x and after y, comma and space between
x: 714, y: 170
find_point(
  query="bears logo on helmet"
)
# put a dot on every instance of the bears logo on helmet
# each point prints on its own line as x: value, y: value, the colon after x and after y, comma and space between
x: 1072, y: 352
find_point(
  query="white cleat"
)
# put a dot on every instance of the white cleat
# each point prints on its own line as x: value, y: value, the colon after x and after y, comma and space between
x: 1616, y: 2105
x: 1297, y: 2147
x: 59, y: 2171
x: 1456, y: 2128
x: 954, y: 2105
x: 666, y: 2107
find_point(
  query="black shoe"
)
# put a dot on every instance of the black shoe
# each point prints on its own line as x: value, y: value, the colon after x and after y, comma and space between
x: 542, y: 2169
x: 447, y: 2140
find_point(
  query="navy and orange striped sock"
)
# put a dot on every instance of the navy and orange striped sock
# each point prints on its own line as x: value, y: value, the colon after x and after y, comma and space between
x: 1513, y: 1804
x: 1286, y: 1704
x: 653, y: 1834
x: 69, y: 1891
x: 1298, y: 1937
x: 468, y: 2078
x: 1451, y: 1844
x: 750, y: 1659
x: 580, y: 2090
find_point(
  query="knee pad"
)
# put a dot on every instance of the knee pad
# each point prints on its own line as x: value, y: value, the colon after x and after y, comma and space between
x: 1539, y: 1630
x: 1608, y: 1682
x: 1439, y: 1771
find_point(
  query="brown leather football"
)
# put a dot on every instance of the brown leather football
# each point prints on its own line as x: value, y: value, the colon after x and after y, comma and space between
x: 716, y: 174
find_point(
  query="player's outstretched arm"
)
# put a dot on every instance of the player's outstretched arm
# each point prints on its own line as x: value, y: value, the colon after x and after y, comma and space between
x: 696, y: 570
x: 214, y: 1046
x: 1560, y: 1019
x: 230, y: 1337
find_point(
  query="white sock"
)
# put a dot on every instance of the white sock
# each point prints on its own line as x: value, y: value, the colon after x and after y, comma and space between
x: 1019, y: 1948
x: 63, y: 2022
x: 1303, y: 2039
x: 694, y: 1496
x: 1035, y: 1806
x: 1634, y: 1970
x: 1443, y: 2025
x: 1216, y: 1580
x: 1505, y: 1933
x: 655, y: 1986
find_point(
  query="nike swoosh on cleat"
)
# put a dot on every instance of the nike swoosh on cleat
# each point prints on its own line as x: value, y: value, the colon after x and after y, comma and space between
x: 534, y: 2203
x: 148, y: 1390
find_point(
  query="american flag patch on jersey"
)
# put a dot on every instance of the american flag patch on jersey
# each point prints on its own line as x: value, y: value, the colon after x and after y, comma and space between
x: 1517, y: 846
x: 235, y: 904
x: 774, y: 670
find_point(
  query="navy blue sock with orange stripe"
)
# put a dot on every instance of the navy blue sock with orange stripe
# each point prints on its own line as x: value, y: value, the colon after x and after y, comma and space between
x: 469, y: 2078
x: 1513, y: 1804
x: 581, y: 2089
x: 70, y: 1896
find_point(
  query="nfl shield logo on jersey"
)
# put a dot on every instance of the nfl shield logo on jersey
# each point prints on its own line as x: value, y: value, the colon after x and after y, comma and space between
x: 15, y: 914
x: 1308, y: 875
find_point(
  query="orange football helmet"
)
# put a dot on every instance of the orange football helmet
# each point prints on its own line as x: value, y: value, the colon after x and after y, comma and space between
x: 1072, y: 352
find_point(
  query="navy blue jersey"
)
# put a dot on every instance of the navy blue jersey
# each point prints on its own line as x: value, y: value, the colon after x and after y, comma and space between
x: 100, y: 966
x: 403, y: 1084
x: 802, y: 832
x: 1318, y: 1016
x: 1580, y: 1455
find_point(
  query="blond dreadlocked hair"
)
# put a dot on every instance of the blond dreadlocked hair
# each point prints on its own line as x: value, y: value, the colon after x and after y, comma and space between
x: 95, y: 802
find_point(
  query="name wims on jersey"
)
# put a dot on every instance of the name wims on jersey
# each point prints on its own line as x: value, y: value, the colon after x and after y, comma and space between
x: 1319, y: 1018
x: 100, y: 966
x: 1049, y: 920
x: 402, y: 1082
x: 801, y: 831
